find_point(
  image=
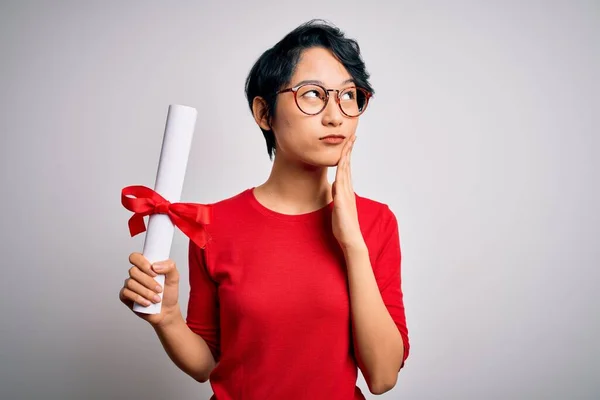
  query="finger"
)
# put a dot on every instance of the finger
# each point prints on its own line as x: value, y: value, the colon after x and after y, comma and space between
x: 339, y: 172
x: 344, y: 175
x: 343, y: 154
x: 345, y: 148
x: 142, y: 263
x: 339, y: 175
x: 338, y: 168
x: 134, y: 297
x: 139, y: 289
x: 125, y: 300
x: 145, y: 279
x: 351, y: 143
x: 349, y: 167
x: 346, y: 161
x: 169, y: 269
x: 351, y: 147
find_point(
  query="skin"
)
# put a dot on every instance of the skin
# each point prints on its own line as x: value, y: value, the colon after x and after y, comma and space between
x: 297, y: 184
x: 298, y: 180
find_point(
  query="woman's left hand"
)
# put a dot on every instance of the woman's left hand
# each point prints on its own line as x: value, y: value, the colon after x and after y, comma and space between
x: 345, y: 215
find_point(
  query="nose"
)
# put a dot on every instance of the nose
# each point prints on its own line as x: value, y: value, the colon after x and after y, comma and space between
x: 332, y: 115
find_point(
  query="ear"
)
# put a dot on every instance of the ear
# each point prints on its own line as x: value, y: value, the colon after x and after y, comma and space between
x: 259, y: 108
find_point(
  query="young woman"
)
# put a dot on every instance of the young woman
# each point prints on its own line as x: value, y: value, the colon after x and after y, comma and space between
x: 299, y: 284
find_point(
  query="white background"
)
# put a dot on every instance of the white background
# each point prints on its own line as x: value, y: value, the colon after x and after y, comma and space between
x: 482, y: 137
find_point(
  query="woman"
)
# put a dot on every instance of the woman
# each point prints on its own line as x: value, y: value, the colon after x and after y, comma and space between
x: 300, y: 283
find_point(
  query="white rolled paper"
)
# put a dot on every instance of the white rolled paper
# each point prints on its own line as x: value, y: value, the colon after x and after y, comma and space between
x: 174, y: 155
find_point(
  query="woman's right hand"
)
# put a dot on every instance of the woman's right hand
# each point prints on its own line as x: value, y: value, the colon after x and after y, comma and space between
x: 141, y: 288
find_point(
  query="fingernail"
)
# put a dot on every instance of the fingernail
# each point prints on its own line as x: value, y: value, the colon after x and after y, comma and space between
x: 156, y: 298
x: 158, y: 288
x: 158, y: 267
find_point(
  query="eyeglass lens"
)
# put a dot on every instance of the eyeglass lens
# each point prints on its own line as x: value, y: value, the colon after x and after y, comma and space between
x: 311, y: 99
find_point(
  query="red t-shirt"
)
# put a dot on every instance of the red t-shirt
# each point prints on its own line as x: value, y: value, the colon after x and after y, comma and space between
x: 269, y: 295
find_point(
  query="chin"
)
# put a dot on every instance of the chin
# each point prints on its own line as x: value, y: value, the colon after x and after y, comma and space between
x: 319, y: 158
x: 323, y: 160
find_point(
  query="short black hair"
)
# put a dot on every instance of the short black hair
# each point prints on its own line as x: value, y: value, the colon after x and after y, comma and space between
x: 275, y: 67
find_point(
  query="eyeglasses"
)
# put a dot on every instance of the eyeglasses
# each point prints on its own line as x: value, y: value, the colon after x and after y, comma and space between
x: 312, y: 99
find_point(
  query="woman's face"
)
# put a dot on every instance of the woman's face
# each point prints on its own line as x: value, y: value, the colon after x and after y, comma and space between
x: 300, y: 136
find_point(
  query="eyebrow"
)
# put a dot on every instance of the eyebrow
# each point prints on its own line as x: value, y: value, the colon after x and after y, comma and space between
x: 316, y: 82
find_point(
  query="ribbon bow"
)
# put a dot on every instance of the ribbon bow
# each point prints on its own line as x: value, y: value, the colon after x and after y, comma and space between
x: 190, y: 218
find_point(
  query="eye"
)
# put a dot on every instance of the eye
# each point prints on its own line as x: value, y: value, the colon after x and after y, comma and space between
x: 348, y: 95
x: 312, y: 93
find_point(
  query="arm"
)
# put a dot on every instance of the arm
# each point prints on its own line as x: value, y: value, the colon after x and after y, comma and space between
x: 380, y: 333
x: 380, y: 336
x: 378, y: 344
x: 186, y: 349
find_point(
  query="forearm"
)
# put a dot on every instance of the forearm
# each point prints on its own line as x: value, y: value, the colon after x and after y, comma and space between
x: 186, y: 349
x: 377, y: 341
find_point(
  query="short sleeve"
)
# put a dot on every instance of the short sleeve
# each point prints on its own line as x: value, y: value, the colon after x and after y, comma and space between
x: 387, y: 270
x: 203, y: 305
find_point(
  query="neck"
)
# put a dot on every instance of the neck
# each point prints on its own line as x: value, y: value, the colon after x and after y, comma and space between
x: 294, y: 188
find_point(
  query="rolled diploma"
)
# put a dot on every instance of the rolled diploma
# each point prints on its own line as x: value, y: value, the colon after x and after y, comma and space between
x: 174, y: 155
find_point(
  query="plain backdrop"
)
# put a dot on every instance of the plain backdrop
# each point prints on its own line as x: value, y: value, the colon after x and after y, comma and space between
x: 482, y: 137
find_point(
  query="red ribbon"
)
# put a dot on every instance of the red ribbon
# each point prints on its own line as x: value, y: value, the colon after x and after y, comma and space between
x: 190, y: 218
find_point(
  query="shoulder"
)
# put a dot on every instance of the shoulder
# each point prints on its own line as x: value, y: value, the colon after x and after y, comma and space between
x: 231, y: 213
x: 377, y: 221
x: 230, y: 200
x: 231, y: 205
x: 370, y: 208
x: 226, y: 215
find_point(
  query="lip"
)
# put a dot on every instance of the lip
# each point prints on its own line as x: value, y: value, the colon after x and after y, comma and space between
x: 334, y: 137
